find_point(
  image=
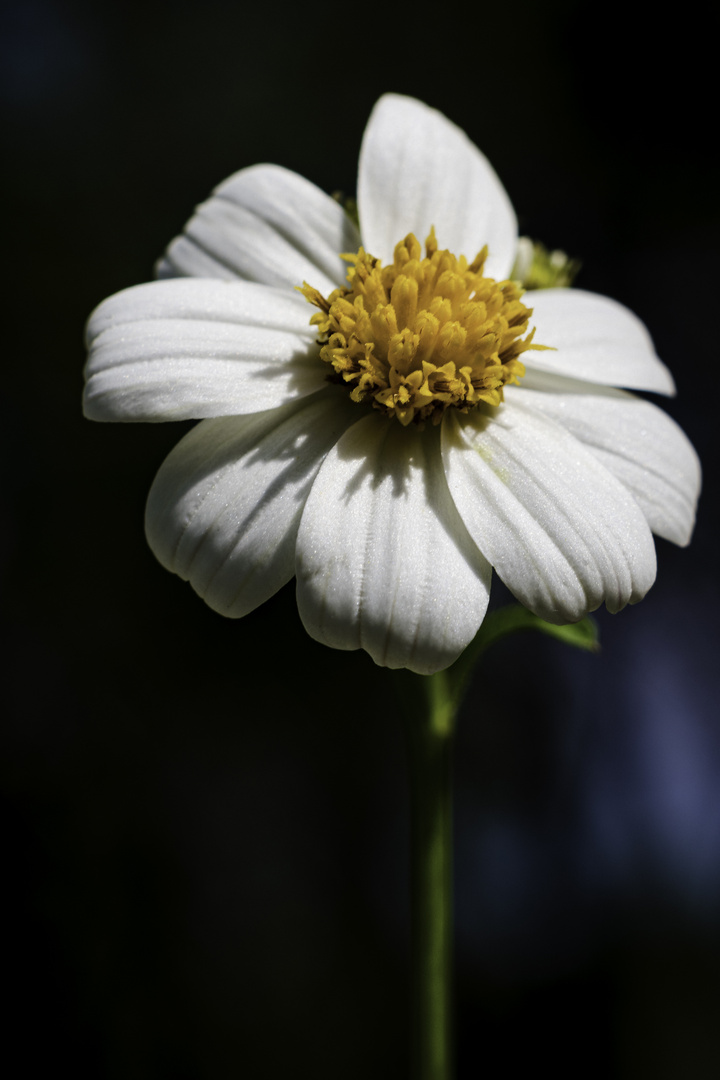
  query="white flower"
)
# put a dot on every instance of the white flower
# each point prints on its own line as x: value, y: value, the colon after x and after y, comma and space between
x: 391, y: 528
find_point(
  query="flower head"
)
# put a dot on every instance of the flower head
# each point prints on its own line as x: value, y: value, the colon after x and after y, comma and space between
x: 419, y: 422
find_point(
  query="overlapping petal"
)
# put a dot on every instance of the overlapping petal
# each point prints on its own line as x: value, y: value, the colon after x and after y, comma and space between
x: 417, y: 169
x: 208, y: 300
x: 269, y: 225
x: 383, y: 561
x: 637, y: 442
x: 595, y: 338
x: 174, y: 350
x: 224, y: 509
x: 562, y: 532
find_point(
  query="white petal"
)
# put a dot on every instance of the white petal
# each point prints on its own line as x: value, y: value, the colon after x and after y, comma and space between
x: 224, y: 509
x: 637, y: 442
x: 265, y: 224
x: 594, y: 338
x: 383, y: 561
x: 241, y: 302
x: 417, y: 169
x: 561, y: 531
x: 174, y: 350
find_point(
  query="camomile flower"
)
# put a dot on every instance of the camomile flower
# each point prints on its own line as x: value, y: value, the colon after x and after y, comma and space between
x: 384, y: 413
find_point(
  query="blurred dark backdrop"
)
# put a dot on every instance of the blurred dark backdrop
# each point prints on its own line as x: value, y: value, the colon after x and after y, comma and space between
x: 205, y: 822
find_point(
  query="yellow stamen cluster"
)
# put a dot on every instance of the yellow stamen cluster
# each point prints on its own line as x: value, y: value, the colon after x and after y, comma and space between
x: 423, y: 334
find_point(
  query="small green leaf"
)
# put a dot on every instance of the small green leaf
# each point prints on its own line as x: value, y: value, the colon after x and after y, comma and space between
x: 443, y: 693
x: 510, y: 620
x: 583, y: 634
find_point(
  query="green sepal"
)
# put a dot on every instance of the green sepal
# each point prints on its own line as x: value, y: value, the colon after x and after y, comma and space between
x: 443, y: 692
x: 508, y: 620
x: 538, y: 268
x: 349, y: 205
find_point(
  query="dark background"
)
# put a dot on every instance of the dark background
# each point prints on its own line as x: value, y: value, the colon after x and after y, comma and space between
x: 205, y: 822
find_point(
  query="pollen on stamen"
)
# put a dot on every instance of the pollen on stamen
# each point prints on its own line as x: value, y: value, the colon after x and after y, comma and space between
x: 423, y: 334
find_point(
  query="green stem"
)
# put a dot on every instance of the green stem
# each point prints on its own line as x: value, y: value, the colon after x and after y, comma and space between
x: 430, y: 717
x: 430, y: 704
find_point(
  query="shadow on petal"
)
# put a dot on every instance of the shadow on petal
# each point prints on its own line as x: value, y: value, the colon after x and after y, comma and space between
x: 225, y: 507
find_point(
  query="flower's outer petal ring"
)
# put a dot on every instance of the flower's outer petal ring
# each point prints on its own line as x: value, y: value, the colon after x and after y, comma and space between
x: 593, y: 338
x: 176, y: 350
x: 417, y: 169
x: 224, y: 509
x: 637, y: 442
x: 265, y: 224
x: 561, y: 531
x: 383, y: 561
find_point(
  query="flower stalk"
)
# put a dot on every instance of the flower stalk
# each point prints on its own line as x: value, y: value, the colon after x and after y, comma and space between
x: 430, y: 706
x: 429, y: 725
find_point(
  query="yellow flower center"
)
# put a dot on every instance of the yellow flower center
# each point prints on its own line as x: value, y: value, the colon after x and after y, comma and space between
x: 423, y: 334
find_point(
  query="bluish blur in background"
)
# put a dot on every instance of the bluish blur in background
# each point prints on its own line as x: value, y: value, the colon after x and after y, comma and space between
x: 205, y: 822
